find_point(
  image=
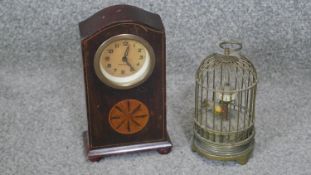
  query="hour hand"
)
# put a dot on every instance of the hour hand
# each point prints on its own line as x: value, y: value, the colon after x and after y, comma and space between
x: 124, y: 58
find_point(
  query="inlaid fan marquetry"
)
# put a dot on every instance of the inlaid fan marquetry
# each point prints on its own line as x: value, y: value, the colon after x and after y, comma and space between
x: 128, y: 116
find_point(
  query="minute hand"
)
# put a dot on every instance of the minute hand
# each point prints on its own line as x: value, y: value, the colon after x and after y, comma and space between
x: 132, y: 68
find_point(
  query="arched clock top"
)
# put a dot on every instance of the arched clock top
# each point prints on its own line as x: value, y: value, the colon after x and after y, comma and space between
x: 119, y: 14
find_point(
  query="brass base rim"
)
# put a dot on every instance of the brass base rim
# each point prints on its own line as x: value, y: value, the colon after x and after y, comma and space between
x: 241, y: 157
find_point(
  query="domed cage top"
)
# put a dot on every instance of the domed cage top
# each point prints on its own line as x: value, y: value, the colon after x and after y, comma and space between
x: 225, y: 95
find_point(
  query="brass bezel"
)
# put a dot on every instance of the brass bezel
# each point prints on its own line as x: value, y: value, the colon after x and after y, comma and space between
x: 135, y: 82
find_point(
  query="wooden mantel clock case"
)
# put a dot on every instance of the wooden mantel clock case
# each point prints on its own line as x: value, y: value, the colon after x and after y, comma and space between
x: 123, y: 51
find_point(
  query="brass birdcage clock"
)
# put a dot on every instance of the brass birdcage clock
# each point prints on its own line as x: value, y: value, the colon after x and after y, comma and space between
x: 225, y: 105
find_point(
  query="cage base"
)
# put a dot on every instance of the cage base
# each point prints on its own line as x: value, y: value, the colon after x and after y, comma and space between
x: 241, y: 157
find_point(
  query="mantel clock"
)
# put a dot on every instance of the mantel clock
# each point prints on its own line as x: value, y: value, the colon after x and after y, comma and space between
x: 123, y: 50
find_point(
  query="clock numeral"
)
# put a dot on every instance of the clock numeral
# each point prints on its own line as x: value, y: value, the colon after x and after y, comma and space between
x: 115, y: 69
x: 117, y: 45
x: 125, y: 43
x: 134, y: 45
x: 110, y: 51
x: 140, y: 49
x: 109, y: 65
x: 138, y: 64
x: 122, y: 71
x: 107, y: 58
x: 141, y: 57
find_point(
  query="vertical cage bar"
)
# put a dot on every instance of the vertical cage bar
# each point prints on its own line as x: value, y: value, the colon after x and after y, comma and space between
x: 229, y: 107
x: 196, y: 99
x: 213, y: 101
x: 195, y: 127
x: 201, y: 102
x: 236, y: 81
x: 241, y: 98
x: 221, y: 74
x: 253, y: 112
x: 222, y: 98
x: 238, y: 113
x: 246, y: 110
x: 250, y: 106
x: 206, y: 99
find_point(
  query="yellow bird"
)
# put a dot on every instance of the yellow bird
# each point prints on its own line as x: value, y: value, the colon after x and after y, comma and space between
x: 218, y: 109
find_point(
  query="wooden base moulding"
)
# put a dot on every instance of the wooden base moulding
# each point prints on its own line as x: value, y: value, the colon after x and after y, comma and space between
x: 95, y: 155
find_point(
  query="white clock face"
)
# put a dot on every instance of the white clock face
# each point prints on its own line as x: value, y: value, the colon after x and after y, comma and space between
x: 124, y: 61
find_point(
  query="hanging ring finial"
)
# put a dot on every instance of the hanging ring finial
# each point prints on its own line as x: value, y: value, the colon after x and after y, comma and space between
x: 230, y: 45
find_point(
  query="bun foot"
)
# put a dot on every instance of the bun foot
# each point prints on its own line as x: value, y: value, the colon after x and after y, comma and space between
x: 164, y: 150
x: 242, y: 161
x: 95, y: 158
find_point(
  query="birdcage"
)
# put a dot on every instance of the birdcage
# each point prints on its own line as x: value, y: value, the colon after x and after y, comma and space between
x: 225, y: 95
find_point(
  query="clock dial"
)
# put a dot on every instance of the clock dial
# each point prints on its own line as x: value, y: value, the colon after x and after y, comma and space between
x: 124, y: 61
x: 123, y: 57
x: 128, y: 116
